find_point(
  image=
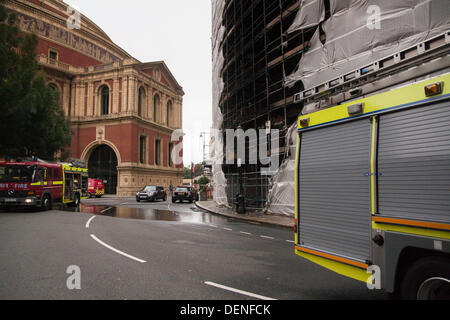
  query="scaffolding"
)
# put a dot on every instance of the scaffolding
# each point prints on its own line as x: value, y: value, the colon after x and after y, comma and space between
x: 257, y: 53
x: 275, y: 59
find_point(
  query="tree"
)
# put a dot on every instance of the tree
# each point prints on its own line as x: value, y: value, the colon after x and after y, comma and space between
x: 32, y: 120
x: 198, y: 171
x: 203, y: 181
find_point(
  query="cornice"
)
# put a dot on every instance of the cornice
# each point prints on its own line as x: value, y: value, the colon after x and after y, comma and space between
x: 85, y: 33
x: 120, y: 120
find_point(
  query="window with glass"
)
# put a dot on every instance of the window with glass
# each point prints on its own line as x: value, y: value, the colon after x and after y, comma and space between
x: 142, y: 149
x: 155, y: 107
x: 157, y: 152
x: 169, y: 111
x: 104, y: 100
x: 141, y: 96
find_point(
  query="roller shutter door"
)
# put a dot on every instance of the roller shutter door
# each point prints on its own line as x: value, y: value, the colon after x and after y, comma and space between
x: 334, y: 192
x: 414, y: 163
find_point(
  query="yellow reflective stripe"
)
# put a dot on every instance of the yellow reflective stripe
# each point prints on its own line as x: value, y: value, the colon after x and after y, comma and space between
x: 412, y: 230
x: 58, y: 183
x: 378, y: 102
x: 36, y: 184
x: 338, y: 267
x: 373, y: 168
x: 297, y: 163
x: 333, y: 257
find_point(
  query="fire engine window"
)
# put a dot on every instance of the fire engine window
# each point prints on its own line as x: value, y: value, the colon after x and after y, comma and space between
x: 41, y: 174
x: 84, y: 183
x: 68, y: 179
x: 56, y: 174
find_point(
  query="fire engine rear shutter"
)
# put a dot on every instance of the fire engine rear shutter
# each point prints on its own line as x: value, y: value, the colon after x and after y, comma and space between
x: 334, y: 192
x: 414, y: 163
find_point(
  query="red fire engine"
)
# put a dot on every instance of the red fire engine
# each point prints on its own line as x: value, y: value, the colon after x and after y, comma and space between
x: 41, y: 184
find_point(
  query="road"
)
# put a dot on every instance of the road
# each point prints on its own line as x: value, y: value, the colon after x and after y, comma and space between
x: 157, y: 251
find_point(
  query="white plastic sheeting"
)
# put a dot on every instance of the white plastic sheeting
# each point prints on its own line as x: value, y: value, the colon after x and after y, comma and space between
x: 359, y: 32
x: 218, y: 31
x: 311, y: 13
x: 281, y: 198
x: 355, y: 36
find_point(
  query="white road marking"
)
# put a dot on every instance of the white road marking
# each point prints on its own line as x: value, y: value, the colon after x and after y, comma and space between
x: 117, y: 251
x: 247, y: 233
x: 107, y: 209
x: 122, y: 204
x: 266, y: 237
x: 89, y: 222
x: 245, y: 293
x: 228, y: 229
x: 290, y: 241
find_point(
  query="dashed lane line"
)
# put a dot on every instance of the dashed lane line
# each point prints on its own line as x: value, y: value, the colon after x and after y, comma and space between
x: 245, y: 293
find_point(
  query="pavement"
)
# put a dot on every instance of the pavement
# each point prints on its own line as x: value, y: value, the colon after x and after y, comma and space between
x: 251, y: 216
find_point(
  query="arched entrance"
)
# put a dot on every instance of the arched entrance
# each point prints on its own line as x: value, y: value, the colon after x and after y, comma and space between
x: 102, y: 165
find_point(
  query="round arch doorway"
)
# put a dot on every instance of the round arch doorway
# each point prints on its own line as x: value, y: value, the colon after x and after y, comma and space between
x: 102, y: 165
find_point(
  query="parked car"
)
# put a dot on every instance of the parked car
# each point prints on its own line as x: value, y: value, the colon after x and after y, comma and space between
x: 151, y: 193
x: 184, y: 193
x: 96, y: 188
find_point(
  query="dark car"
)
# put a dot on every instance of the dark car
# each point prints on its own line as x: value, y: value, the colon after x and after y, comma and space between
x: 151, y: 193
x: 184, y: 193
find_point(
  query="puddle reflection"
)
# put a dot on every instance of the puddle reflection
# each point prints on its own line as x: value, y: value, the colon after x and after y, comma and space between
x: 150, y: 214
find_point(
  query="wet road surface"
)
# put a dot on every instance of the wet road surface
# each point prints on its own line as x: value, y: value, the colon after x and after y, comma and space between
x: 157, y: 251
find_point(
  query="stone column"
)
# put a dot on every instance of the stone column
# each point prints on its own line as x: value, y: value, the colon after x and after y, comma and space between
x: 115, y: 102
x: 132, y: 95
x: 90, y: 103
x: 66, y: 97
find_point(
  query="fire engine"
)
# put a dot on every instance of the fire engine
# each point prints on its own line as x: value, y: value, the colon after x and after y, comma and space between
x: 372, y: 177
x: 41, y: 184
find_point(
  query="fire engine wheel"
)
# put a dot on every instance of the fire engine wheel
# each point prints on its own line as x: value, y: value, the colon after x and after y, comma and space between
x: 46, y: 203
x: 427, y: 279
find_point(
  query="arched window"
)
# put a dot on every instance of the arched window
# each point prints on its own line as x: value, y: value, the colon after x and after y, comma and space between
x: 104, y: 100
x: 155, y: 107
x: 169, y: 111
x: 141, y: 97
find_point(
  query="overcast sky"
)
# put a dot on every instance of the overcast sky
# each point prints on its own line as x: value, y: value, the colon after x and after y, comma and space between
x: 176, y: 31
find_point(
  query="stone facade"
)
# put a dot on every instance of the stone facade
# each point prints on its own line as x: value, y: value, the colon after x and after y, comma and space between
x: 112, y: 98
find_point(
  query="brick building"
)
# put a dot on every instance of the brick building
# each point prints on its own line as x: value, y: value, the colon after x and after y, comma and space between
x: 123, y: 111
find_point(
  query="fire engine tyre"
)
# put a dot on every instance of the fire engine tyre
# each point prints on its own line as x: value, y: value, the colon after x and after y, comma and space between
x: 427, y: 279
x: 46, y: 204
